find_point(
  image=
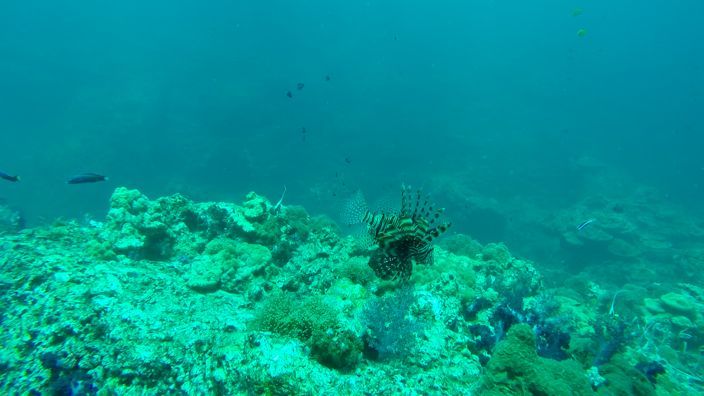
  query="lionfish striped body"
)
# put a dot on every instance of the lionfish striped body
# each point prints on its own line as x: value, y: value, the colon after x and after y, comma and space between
x: 405, y: 237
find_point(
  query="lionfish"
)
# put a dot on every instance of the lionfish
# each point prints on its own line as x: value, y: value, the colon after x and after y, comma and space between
x: 401, y: 237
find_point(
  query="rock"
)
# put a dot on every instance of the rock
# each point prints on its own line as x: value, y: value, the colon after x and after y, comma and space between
x: 678, y: 304
x: 255, y: 207
x: 653, y: 306
x: 682, y: 322
x: 204, y: 274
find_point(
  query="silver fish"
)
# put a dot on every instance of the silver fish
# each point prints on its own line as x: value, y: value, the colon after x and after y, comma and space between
x: 584, y: 224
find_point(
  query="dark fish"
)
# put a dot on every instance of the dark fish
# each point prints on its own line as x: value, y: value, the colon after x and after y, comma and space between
x: 303, y: 133
x: 584, y: 224
x: 300, y: 86
x: 289, y: 94
x: 7, y: 177
x: 327, y: 78
x: 86, y: 178
x: 348, y: 160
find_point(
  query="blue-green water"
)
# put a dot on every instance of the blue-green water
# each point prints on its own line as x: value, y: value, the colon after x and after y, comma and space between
x: 523, y: 119
x: 183, y: 96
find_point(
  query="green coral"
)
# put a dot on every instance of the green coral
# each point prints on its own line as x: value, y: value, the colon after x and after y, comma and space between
x: 282, y: 313
x: 496, y: 252
x: 452, y: 275
x: 102, y: 250
x: 462, y: 245
x: 623, y: 379
x: 356, y: 270
x: 336, y: 348
x: 315, y: 322
x: 516, y: 368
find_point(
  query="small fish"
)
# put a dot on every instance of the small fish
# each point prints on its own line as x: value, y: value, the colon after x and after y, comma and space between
x: 7, y: 177
x: 300, y: 86
x: 327, y: 77
x: 276, y: 209
x: 348, y: 160
x: 86, y: 178
x: 577, y: 12
x: 303, y: 133
x: 289, y: 94
x: 584, y: 224
x: 582, y: 32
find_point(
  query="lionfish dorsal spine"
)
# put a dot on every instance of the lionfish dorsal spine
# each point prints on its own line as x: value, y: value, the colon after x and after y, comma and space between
x: 437, y: 231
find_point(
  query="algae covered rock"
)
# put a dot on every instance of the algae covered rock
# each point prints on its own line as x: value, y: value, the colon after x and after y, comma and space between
x: 248, y: 261
x: 678, y: 303
x: 255, y: 207
x: 336, y: 348
x: 163, y: 228
x: 139, y: 227
x: 227, y: 264
x: 204, y: 274
x: 653, y: 306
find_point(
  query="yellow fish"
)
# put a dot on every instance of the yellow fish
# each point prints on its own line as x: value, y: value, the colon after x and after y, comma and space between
x: 582, y: 32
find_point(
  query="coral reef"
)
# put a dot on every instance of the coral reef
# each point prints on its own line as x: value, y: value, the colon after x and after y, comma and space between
x: 630, y: 231
x: 170, y: 296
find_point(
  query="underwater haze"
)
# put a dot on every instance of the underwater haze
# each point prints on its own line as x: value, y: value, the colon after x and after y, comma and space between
x: 569, y: 134
x: 191, y: 97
